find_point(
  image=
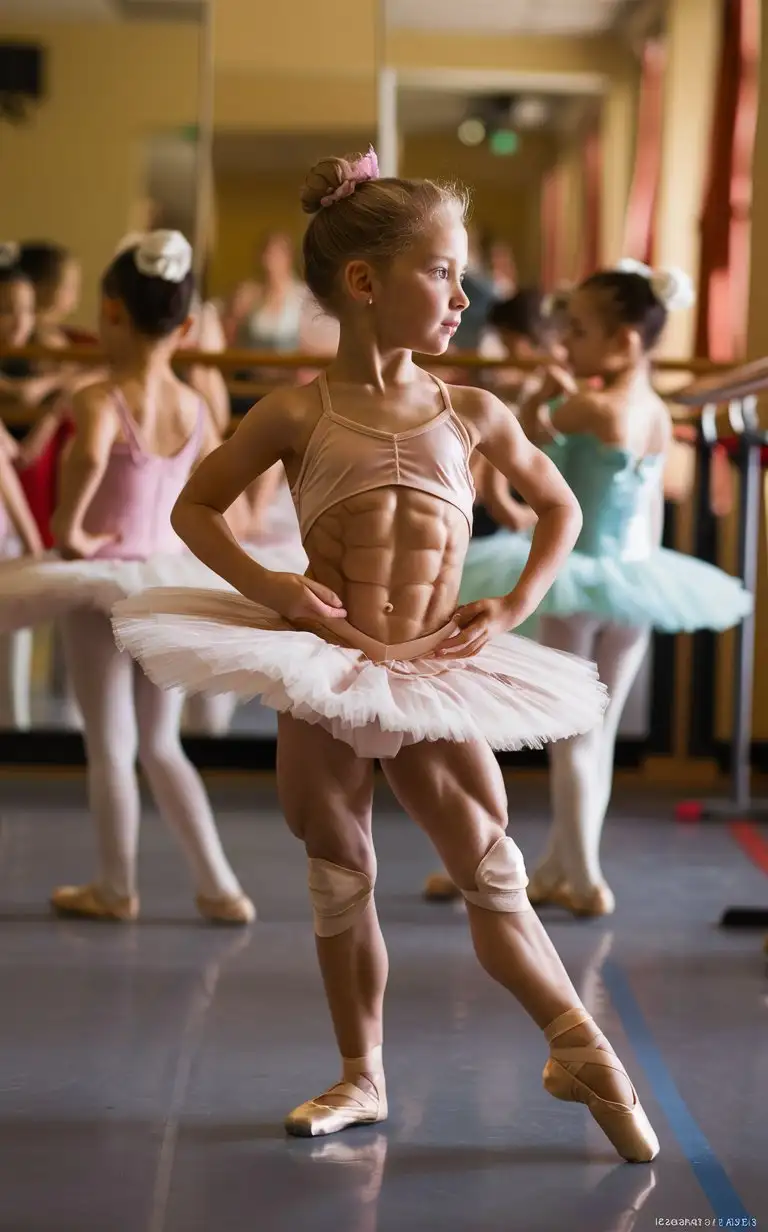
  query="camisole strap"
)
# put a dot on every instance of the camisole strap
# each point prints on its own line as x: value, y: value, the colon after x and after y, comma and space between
x: 325, y: 394
x: 128, y: 424
x: 441, y: 385
x: 196, y: 439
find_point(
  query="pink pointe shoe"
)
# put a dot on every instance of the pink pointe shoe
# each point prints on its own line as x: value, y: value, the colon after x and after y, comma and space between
x: 438, y: 888
x: 89, y: 902
x: 626, y: 1127
x: 237, y: 910
x: 342, y: 1106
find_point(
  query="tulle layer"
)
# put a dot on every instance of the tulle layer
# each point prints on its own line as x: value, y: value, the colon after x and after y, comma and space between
x: 35, y: 591
x: 514, y: 694
x: 671, y: 591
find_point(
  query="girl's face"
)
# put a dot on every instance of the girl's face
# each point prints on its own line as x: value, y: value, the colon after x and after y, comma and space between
x: 61, y: 298
x: 594, y: 349
x: 277, y: 258
x: 17, y: 312
x: 418, y: 299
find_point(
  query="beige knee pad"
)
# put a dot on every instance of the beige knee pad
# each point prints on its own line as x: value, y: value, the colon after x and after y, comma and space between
x: 339, y: 896
x: 500, y: 879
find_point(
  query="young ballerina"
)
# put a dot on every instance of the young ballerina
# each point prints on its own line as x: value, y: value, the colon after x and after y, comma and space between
x: 610, y: 444
x: 18, y: 532
x: 366, y: 654
x: 136, y: 439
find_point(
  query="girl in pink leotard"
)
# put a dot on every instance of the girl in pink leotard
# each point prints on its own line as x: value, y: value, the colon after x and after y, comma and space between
x: 136, y: 438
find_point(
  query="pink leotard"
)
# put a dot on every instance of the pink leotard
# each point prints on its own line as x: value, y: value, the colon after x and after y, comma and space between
x: 138, y: 491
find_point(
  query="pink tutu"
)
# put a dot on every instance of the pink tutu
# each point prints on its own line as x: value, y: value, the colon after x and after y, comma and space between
x: 35, y: 591
x: 513, y: 694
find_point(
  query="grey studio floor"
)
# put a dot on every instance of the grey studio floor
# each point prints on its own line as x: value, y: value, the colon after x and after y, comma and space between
x: 145, y: 1069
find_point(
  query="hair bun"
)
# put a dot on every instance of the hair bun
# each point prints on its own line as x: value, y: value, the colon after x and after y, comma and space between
x: 334, y: 179
x: 10, y: 252
x: 164, y: 254
x: 673, y: 288
x: 325, y: 177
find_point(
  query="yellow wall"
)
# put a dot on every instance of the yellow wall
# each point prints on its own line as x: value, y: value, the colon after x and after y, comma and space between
x: 505, y: 202
x: 247, y: 208
x: 336, y: 38
x: 506, y: 192
x: 415, y: 49
x: 757, y: 346
x: 618, y: 128
x: 74, y: 172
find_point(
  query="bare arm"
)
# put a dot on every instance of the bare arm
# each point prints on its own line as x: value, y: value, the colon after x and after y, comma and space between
x: 82, y: 470
x: 502, y: 442
x: 541, y: 485
x: 208, y: 381
x: 266, y: 435
x: 493, y: 490
x: 8, y: 443
x: 19, y: 512
x: 535, y: 415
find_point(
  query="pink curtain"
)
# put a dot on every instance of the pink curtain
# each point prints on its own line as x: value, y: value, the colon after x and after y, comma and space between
x: 726, y: 215
x: 552, y: 248
x: 592, y: 179
x: 641, y: 207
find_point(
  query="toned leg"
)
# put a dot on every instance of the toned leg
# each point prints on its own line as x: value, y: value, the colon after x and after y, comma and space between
x: 456, y: 794
x: 326, y: 794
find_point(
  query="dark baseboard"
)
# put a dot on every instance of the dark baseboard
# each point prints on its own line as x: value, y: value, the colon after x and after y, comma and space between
x: 721, y: 751
x: 60, y: 748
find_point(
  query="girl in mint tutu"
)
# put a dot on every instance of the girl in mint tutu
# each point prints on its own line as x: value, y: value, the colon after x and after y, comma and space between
x: 619, y: 583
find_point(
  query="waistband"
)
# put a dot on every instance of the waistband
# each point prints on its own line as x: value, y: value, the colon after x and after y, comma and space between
x: 346, y: 634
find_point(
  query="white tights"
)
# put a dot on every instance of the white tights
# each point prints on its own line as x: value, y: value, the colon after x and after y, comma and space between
x: 16, y: 679
x: 581, y: 769
x: 209, y: 714
x: 124, y: 714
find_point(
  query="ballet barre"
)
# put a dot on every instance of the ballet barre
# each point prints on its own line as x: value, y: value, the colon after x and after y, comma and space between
x: 738, y: 391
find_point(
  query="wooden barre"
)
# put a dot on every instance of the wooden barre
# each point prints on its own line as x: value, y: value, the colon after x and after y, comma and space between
x: 249, y: 360
x: 740, y: 382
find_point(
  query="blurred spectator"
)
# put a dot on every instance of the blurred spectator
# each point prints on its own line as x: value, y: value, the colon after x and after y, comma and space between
x: 265, y: 315
x: 55, y: 275
x: 499, y: 261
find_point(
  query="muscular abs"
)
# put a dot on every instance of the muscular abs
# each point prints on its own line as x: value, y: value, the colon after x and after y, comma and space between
x: 394, y: 557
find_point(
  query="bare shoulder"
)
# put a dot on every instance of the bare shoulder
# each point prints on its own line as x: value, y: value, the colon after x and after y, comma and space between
x: 478, y: 409
x: 92, y: 400
x: 288, y: 413
x: 589, y: 412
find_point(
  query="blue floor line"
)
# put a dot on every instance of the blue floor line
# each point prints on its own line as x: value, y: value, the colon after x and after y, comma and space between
x: 709, y: 1172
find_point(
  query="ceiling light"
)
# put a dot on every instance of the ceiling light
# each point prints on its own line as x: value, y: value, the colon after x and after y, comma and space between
x: 529, y: 113
x: 472, y: 132
x: 504, y: 142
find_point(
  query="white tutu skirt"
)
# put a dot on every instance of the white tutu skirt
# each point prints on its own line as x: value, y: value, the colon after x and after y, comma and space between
x: 36, y: 591
x: 513, y: 694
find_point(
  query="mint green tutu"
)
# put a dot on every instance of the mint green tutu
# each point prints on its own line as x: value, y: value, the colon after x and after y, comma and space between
x: 615, y: 571
x: 672, y: 592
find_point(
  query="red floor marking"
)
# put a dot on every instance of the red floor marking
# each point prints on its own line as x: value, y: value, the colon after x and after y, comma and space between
x: 751, y: 842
